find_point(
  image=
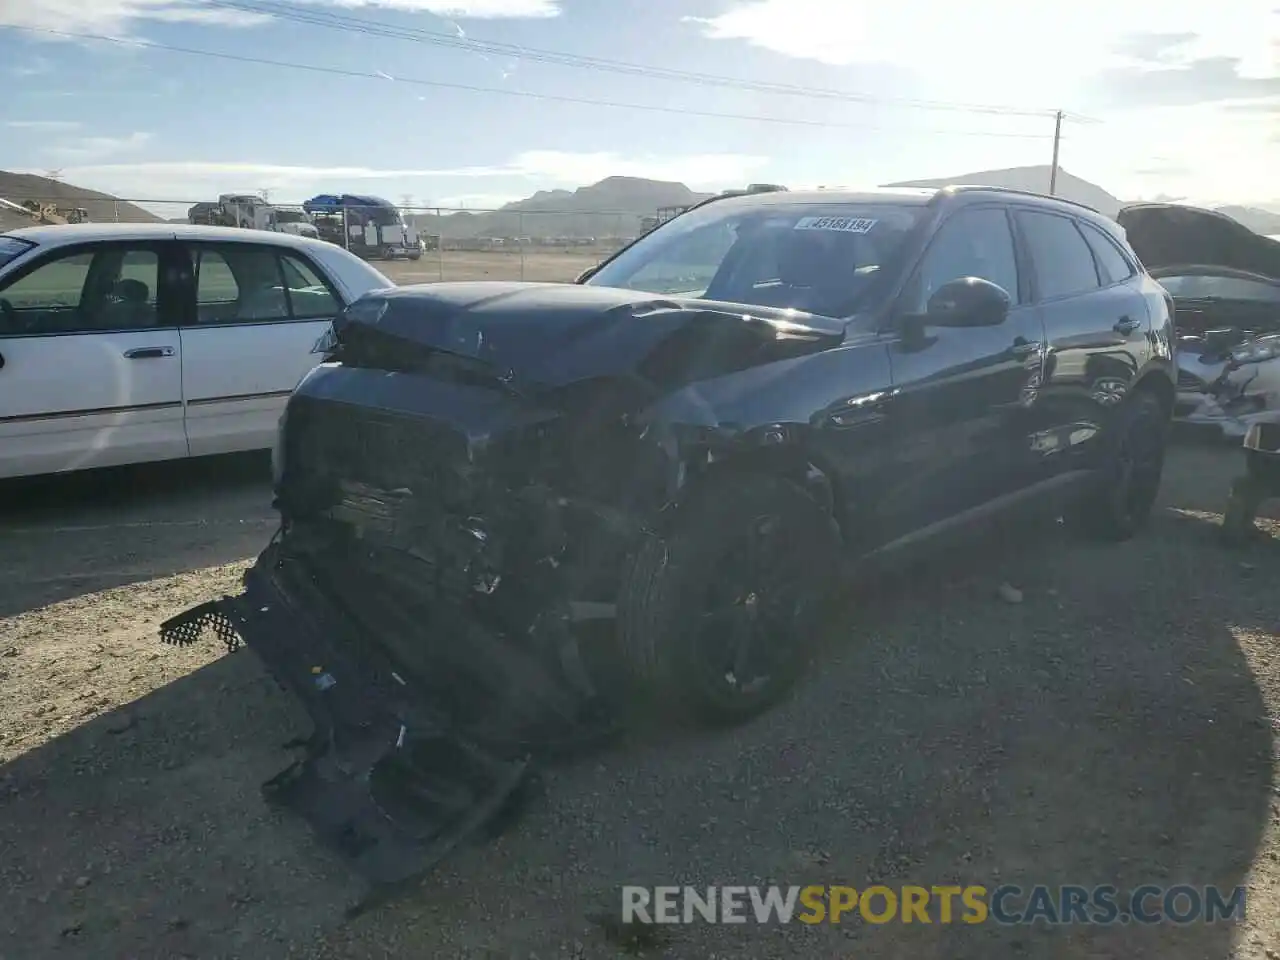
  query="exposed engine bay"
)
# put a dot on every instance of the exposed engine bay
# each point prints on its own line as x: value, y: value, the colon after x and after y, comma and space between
x: 1225, y: 285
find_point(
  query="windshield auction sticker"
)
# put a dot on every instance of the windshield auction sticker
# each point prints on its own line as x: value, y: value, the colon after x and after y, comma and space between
x: 841, y: 224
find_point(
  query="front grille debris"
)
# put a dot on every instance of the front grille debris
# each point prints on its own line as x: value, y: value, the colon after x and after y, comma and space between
x: 189, y: 627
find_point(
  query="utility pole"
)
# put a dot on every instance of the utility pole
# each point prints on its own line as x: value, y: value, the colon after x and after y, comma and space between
x: 1057, y: 142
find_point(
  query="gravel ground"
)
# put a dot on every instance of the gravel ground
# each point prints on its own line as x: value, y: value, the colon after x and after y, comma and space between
x: 1116, y: 724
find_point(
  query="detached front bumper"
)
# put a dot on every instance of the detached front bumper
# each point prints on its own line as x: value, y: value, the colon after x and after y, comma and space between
x: 383, y: 781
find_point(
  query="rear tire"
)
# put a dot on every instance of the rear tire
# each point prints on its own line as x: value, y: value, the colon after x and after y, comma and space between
x: 718, y: 615
x: 1121, y: 504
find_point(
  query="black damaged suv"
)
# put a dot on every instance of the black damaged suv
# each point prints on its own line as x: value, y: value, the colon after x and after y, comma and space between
x: 690, y: 444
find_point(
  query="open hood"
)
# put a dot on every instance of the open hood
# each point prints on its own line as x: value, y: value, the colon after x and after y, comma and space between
x: 1172, y: 235
x: 554, y: 334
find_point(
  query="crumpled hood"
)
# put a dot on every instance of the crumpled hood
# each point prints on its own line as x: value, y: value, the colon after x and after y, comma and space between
x: 553, y: 334
x: 1172, y: 235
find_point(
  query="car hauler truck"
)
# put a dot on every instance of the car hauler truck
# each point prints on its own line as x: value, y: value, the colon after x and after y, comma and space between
x: 251, y: 212
x: 369, y: 227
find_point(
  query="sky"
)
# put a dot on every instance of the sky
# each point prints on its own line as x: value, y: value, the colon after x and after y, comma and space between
x: 472, y: 103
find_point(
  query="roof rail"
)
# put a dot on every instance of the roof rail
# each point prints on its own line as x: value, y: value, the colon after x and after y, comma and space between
x: 977, y: 187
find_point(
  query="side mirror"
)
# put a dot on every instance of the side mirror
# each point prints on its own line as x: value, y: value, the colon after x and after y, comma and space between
x: 587, y: 274
x: 968, y: 302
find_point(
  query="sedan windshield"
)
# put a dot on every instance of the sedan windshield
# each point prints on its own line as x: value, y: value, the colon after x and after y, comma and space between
x: 819, y: 258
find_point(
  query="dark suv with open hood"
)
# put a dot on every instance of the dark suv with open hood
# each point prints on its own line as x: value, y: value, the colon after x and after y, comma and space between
x: 687, y: 446
x: 1225, y: 283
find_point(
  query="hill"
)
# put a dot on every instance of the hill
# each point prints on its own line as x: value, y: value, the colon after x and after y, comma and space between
x: 1255, y: 218
x: 1035, y: 179
x: 102, y: 207
x: 613, y: 207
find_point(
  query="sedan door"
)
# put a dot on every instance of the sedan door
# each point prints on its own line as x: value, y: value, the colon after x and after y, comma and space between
x: 90, y: 359
x: 960, y: 418
x: 258, y: 312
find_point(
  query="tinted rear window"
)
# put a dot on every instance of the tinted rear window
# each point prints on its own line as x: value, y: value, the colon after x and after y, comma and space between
x: 1111, y: 262
x: 1063, y: 264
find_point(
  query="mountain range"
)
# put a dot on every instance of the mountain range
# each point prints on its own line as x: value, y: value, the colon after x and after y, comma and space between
x: 613, y: 207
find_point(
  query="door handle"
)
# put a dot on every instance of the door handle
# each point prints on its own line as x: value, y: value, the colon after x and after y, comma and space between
x: 1024, y: 348
x: 1126, y: 325
x: 148, y: 353
x: 1, y: 361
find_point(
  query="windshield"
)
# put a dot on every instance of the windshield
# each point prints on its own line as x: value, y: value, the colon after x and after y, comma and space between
x: 382, y: 216
x: 820, y: 258
x: 13, y: 247
x: 1217, y: 287
x: 290, y: 216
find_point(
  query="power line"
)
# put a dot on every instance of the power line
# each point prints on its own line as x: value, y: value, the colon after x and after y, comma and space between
x: 367, y: 27
x: 473, y: 88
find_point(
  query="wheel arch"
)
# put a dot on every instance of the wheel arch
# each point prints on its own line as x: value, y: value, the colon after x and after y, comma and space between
x: 1156, y: 382
x: 770, y: 452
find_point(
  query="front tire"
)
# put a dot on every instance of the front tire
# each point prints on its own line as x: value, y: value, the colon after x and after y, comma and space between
x: 718, y: 615
x: 1120, y: 506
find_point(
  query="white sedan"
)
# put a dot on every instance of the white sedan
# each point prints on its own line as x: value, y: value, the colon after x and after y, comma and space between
x: 129, y: 343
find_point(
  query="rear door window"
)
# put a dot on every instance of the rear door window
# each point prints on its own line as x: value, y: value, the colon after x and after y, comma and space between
x: 246, y: 283
x: 238, y: 283
x: 1060, y: 256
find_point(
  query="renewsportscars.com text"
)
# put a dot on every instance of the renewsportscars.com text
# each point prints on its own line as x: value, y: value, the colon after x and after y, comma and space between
x: 1006, y: 904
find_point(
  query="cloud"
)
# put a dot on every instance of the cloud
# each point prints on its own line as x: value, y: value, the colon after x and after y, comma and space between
x: 1271, y: 105
x: 117, y: 17
x: 114, y: 17
x: 473, y: 201
x: 1209, y: 80
x: 42, y: 124
x: 994, y: 46
x: 89, y: 149
x: 1199, y: 151
x: 461, y: 9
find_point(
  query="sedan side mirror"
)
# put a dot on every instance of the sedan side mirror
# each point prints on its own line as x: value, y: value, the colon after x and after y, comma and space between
x: 968, y: 302
x: 587, y: 274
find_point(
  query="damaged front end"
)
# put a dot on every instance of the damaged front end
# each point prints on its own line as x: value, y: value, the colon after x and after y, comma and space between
x: 1230, y: 385
x: 360, y: 782
x: 424, y: 612
x: 459, y: 490
x: 1224, y: 282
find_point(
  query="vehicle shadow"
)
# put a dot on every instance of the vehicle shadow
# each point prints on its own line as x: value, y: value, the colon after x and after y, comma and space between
x: 73, y: 535
x: 142, y: 832
x: 1105, y: 729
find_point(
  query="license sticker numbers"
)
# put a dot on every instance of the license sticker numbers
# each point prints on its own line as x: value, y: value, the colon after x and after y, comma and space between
x: 840, y: 224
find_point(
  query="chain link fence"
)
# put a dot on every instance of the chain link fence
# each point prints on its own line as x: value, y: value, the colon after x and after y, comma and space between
x: 409, y: 243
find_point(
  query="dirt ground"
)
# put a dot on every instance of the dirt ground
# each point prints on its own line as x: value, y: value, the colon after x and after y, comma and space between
x: 1117, y: 725
x: 539, y: 265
